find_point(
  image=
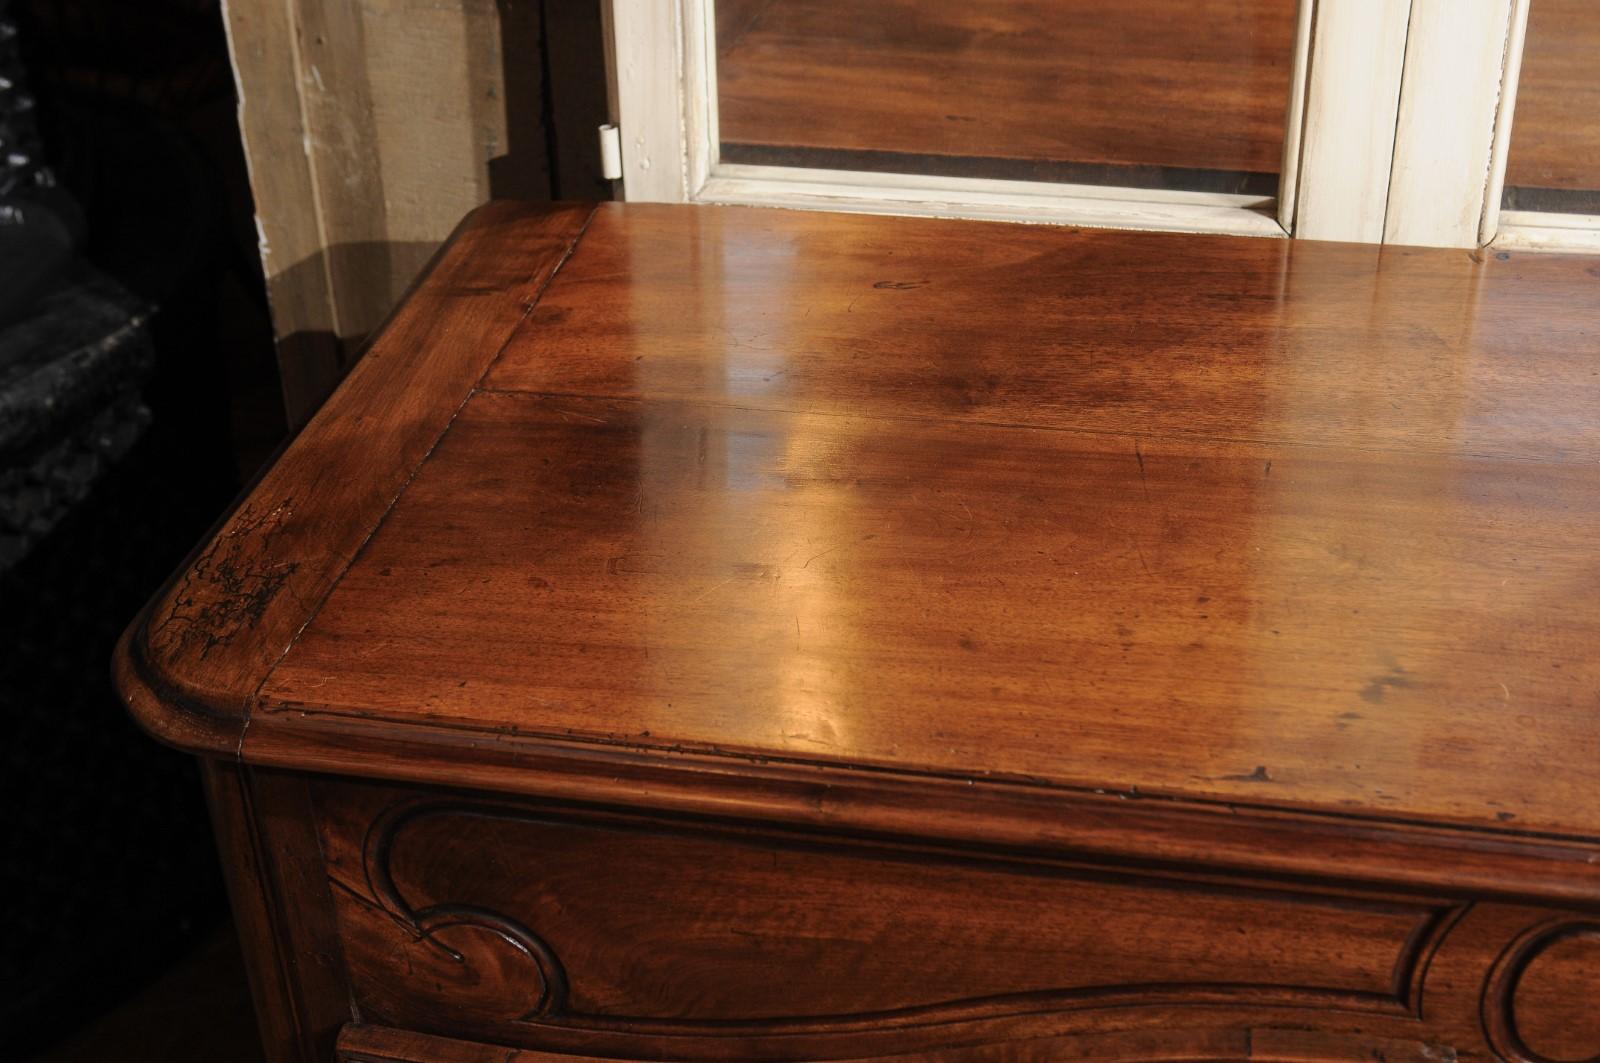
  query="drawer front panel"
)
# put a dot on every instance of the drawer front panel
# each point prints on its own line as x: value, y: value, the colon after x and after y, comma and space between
x: 560, y: 929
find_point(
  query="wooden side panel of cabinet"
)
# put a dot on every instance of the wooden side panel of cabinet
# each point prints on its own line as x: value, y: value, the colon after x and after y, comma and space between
x: 278, y: 888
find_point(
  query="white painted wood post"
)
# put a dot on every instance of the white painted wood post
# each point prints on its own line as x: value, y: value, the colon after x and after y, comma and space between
x: 1352, y: 103
x: 1294, y: 118
x: 1455, y: 59
x: 647, y: 45
x: 1489, y: 225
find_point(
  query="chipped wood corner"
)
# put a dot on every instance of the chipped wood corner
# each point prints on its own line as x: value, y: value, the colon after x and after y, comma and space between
x: 167, y: 711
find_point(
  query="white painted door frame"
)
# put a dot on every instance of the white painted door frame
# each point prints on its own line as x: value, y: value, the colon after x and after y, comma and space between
x: 664, y: 84
x: 1357, y: 53
x: 1457, y: 59
x: 1526, y: 230
x: 1397, y: 122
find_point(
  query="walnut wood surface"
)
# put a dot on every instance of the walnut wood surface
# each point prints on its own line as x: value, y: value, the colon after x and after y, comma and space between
x: 1276, y: 342
x: 1555, y: 134
x: 1551, y: 1020
x: 545, y: 926
x: 210, y: 637
x: 279, y: 892
x: 704, y: 948
x: 1153, y: 614
x: 1301, y: 526
x: 1172, y: 83
x: 847, y: 637
x: 364, y: 1043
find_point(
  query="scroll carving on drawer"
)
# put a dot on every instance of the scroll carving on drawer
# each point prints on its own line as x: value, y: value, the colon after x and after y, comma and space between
x: 522, y: 919
x: 1538, y: 1002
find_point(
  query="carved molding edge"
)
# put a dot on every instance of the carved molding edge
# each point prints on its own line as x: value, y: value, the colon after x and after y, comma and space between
x: 550, y: 1006
x: 425, y: 923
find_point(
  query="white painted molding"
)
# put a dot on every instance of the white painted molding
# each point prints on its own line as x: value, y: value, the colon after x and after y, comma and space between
x: 665, y: 101
x: 1352, y: 103
x: 648, y: 45
x: 1449, y: 96
x: 1294, y: 117
x: 1530, y: 230
x: 702, y: 130
x: 1489, y: 224
x: 1020, y: 201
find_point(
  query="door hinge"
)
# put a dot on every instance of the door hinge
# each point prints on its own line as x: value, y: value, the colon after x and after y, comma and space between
x: 610, y: 152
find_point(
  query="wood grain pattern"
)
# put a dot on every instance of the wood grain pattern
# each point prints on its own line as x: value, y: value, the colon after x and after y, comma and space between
x: 618, y: 935
x: 844, y: 637
x: 797, y: 536
x: 1275, y: 342
x: 1166, y: 83
x: 707, y: 949
x: 1555, y: 134
x: 278, y: 889
x: 367, y: 1043
x: 206, y: 642
x: 1084, y: 610
x: 364, y: 1043
x: 1531, y: 1011
x: 1115, y: 828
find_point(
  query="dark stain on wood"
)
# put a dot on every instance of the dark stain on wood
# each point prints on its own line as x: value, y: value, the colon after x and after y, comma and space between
x: 228, y: 588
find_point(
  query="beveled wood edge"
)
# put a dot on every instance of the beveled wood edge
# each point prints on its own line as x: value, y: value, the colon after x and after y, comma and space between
x: 161, y: 706
x: 1265, y: 1042
x: 1020, y: 818
x: 1126, y: 828
x: 367, y: 1043
x: 184, y: 703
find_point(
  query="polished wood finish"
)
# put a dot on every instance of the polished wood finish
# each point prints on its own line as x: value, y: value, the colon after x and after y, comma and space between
x: 282, y: 909
x: 360, y: 1043
x: 789, y: 636
x: 364, y: 1043
x: 773, y: 946
x: 1555, y: 134
x: 209, y: 638
x: 1154, y: 83
x: 931, y: 601
x: 812, y: 502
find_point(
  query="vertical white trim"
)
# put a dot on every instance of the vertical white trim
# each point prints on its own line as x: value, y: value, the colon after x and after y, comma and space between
x: 1489, y: 224
x: 1455, y: 53
x: 1294, y: 116
x: 647, y: 40
x: 702, y: 135
x: 1352, y: 103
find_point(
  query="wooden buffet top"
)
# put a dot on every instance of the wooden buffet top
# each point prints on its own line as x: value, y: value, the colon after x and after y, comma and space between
x: 1279, y: 553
